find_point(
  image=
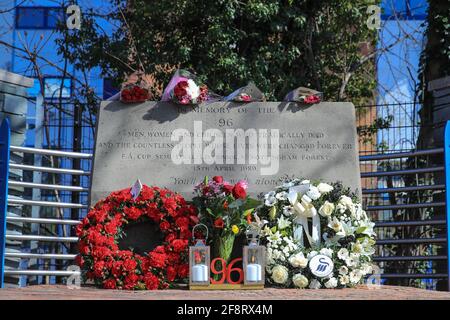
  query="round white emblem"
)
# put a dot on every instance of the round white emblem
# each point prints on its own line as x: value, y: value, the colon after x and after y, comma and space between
x: 321, y: 266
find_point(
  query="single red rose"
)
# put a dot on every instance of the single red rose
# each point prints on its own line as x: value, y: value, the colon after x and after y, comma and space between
x: 218, y: 179
x: 219, y: 223
x: 239, y: 191
x: 227, y: 188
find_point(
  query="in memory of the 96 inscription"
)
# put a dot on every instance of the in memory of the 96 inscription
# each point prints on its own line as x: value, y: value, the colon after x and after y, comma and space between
x: 174, y: 146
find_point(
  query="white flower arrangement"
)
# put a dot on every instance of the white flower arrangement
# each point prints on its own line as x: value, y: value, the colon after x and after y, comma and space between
x: 341, y: 231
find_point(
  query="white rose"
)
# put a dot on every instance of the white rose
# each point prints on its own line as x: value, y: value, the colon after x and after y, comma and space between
x: 332, y: 283
x: 315, y: 284
x: 280, y: 274
x: 312, y: 254
x: 313, y: 193
x: 298, y: 260
x: 327, y: 252
x: 324, y: 187
x: 326, y: 209
x: 346, y: 201
x: 343, y: 254
x: 300, y: 281
x: 193, y: 90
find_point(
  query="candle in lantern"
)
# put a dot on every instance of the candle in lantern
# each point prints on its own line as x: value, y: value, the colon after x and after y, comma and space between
x: 253, y: 271
x: 199, y: 273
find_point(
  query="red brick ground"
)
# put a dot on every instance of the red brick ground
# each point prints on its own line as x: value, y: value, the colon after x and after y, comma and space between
x: 58, y: 292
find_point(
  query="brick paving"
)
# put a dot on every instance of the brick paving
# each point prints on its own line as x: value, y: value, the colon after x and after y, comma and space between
x: 61, y: 292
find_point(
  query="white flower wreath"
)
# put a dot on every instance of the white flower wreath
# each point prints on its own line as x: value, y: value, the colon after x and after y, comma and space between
x: 341, y: 233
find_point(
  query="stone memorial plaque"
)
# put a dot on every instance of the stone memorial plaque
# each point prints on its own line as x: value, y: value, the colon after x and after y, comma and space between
x: 174, y: 146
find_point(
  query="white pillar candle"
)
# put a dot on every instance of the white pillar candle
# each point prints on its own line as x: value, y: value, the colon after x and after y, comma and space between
x: 253, y: 272
x: 199, y: 273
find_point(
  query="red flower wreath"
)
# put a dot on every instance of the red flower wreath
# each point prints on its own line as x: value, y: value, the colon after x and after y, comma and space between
x: 112, y: 268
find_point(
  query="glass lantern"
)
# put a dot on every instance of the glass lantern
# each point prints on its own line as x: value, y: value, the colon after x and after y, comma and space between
x: 199, y: 260
x: 254, y: 257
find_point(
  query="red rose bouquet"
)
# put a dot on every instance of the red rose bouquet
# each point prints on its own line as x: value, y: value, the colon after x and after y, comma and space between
x: 225, y: 209
x: 136, y: 91
x: 183, y: 89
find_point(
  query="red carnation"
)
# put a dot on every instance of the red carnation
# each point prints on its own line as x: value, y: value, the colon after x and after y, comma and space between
x: 219, y: 223
x: 129, y: 265
x: 170, y: 237
x: 157, y: 260
x: 151, y: 281
x: 164, y: 226
x: 111, y: 228
x: 133, y: 213
x: 218, y: 179
x: 183, y: 270
x: 130, y: 281
x: 98, y: 268
x: 79, y: 261
x: 171, y: 273
x: 117, y: 268
x: 182, y: 223
x: 179, y: 245
x: 109, y: 284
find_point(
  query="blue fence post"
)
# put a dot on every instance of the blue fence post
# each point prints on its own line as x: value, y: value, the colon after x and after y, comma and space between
x: 4, y: 171
x: 447, y: 194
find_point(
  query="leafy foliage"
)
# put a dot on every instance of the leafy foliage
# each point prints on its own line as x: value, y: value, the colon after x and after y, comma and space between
x: 279, y: 45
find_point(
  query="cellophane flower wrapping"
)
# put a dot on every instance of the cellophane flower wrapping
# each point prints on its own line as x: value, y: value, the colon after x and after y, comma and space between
x: 184, y: 89
x: 304, y: 95
x: 248, y: 93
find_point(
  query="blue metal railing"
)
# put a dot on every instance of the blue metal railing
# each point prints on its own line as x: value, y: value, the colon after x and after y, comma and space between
x: 447, y: 193
x: 442, y: 240
x: 4, y: 171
